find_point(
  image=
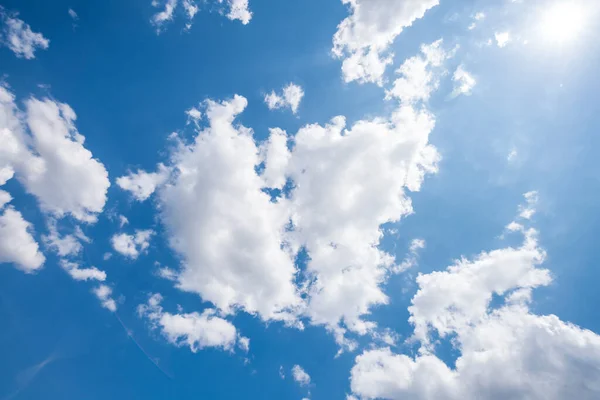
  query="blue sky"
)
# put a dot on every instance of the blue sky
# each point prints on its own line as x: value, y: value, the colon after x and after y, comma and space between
x: 333, y: 199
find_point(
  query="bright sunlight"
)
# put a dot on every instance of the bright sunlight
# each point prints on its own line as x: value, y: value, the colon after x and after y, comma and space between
x: 563, y: 21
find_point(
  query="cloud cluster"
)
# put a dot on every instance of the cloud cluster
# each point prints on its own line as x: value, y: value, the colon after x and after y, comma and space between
x: 363, y: 39
x: 239, y: 230
x: 233, y: 10
x: 505, y: 351
x: 42, y: 148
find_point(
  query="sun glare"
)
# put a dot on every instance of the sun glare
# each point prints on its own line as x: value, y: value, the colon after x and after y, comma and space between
x: 563, y: 21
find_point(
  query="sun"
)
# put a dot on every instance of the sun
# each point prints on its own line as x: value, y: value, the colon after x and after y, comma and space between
x: 563, y: 21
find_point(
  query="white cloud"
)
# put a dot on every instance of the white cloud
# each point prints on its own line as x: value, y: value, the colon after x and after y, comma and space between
x: 195, y: 330
x: 363, y: 38
x: 232, y: 9
x: 194, y: 114
x: 505, y: 351
x: 511, y: 353
x: 18, y: 36
x: 142, y: 184
x: 68, y: 245
x: 83, y: 274
x: 132, y: 246
x: 244, y: 344
x: 5, y: 198
x: 238, y: 247
x: 300, y: 376
x: 512, y: 155
x: 6, y: 173
x: 167, y: 273
x: 527, y: 210
x: 502, y: 38
x: 17, y: 244
x: 463, y: 82
x: 226, y: 229
x: 419, y: 74
x: 166, y: 13
x: 107, y: 256
x: 276, y: 155
x: 480, y: 16
x: 450, y: 300
x: 348, y: 182
x: 239, y: 10
x: 104, y: 293
x: 346, y: 187
x: 73, y: 14
x: 411, y: 259
x: 49, y: 158
x: 291, y: 97
x: 191, y: 8
x: 123, y: 221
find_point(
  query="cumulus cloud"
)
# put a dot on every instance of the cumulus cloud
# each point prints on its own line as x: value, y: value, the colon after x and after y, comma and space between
x: 132, y: 246
x: 225, y: 227
x: 232, y: 9
x: 142, y: 184
x: 463, y: 82
x: 300, y: 376
x: 347, y: 183
x: 83, y: 274
x: 450, y: 300
x: 505, y: 351
x: 290, y: 97
x: 363, y: 38
x: 104, y: 294
x: 17, y: 244
x: 197, y: 331
x: 18, y: 36
x: 46, y: 152
x: 346, y: 186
